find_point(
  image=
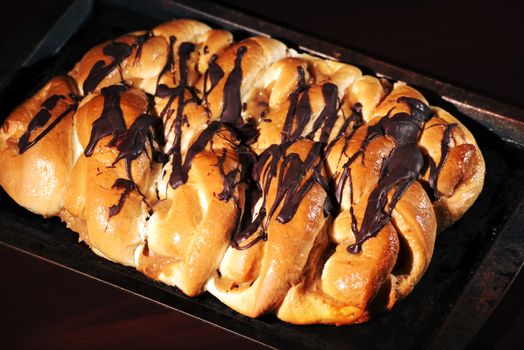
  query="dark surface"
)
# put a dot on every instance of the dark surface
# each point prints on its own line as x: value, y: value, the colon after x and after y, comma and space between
x: 74, y: 326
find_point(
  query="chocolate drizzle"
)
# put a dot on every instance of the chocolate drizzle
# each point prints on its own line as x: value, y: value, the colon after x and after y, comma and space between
x: 299, y: 112
x: 119, y: 52
x: 177, y: 93
x: 127, y: 186
x: 111, y: 121
x: 328, y: 116
x: 170, y: 63
x: 198, y: 146
x: 230, y: 180
x: 139, y: 43
x: 232, y: 99
x: 130, y: 143
x: 41, y: 119
x: 399, y: 169
x: 294, y: 176
x: 133, y: 143
x: 434, y: 171
x: 291, y: 187
x: 213, y: 74
x: 180, y: 169
x: 355, y: 120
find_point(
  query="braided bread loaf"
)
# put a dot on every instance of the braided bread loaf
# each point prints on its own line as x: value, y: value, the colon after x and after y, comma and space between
x: 277, y: 181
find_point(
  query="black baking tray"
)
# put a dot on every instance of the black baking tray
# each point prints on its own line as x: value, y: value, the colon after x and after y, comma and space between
x: 475, y: 260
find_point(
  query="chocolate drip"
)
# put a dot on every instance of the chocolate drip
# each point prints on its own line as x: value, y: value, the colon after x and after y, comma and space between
x: 41, y: 119
x: 133, y: 142
x: 119, y: 52
x: 399, y: 169
x: 273, y: 153
x: 176, y: 93
x: 198, y: 146
x: 232, y: 99
x: 180, y: 171
x: 111, y: 121
x: 296, y: 111
x: 230, y: 181
x: 328, y: 116
x: 299, y: 112
x: 291, y: 187
x: 434, y: 171
x: 127, y: 186
x: 213, y: 73
x: 170, y: 63
x: 139, y: 43
x: 303, y: 115
x: 130, y: 143
x: 355, y: 120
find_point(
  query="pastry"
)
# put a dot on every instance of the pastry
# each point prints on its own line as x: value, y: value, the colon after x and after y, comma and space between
x: 277, y: 181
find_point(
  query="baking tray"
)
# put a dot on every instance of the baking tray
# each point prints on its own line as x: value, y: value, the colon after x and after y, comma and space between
x: 475, y: 260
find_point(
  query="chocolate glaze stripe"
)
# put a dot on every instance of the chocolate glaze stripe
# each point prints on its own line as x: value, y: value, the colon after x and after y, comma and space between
x: 170, y: 63
x: 260, y: 171
x: 133, y: 143
x: 127, y: 186
x: 328, y: 116
x: 302, y: 115
x: 213, y: 74
x: 292, y: 114
x: 139, y: 44
x: 399, y: 170
x: 130, y: 143
x: 355, y: 120
x: 177, y: 176
x: 291, y: 187
x: 40, y: 120
x: 231, y: 112
x: 111, y: 121
x: 230, y: 180
x: 296, y: 192
x: 197, y: 147
x: 434, y: 171
x: 118, y: 51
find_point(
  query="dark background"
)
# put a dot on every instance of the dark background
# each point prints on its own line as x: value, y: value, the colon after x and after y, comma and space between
x: 473, y: 44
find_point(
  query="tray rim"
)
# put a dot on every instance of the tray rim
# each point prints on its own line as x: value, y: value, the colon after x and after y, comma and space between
x: 501, y: 111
